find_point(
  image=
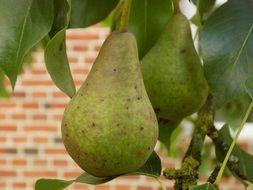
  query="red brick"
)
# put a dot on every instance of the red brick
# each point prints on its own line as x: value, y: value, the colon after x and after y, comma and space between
x: 40, y: 162
x: 123, y: 187
x: 144, y: 188
x: 72, y: 59
x: 79, y: 82
x: 19, y: 94
x: 33, y: 173
x: 18, y: 116
x: 58, y: 105
x: 3, y: 139
x: 39, y: 94
x: 80, y: 186
x: 80, y: 48
x: 19, y: 139
x: 6, y: 105
x: 72, y: 174
x: 2, y: 116
x: 55, y: 151
x: 60, y: 162
x: 130, y: 177
x: 39, y: 116
x: 102, y: 187
x: 59, y: 94
x: 2, y: 184
x: 7, y: 173
x: 30, y: 105
x: 90, y: 60
x: 19, y: 162
x: 40, y: 139
x: 19, y: 185
x: 8, y: 128
x: 37, y: 83
x: 2, y: 162
x: 41, y: 128
x: 39, y: 71
x: 8, y: 150
x: 58, y: 117
x: 97, y: 48
x: 82, y: 37
x: 81, y: 71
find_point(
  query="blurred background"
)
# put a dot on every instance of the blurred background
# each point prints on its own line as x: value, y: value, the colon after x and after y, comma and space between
x: 30, y: 124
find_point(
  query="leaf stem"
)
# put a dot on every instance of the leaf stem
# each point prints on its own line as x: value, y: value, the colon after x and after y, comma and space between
x: 125, y: 15
x: 163, y: 187
x: 218, y: 179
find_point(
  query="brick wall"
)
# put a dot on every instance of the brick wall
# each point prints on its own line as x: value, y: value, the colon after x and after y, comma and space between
x: 30, y: 120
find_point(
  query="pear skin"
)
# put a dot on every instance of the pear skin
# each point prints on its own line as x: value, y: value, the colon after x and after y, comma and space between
x: 173, y: 74
x: 109, y: 127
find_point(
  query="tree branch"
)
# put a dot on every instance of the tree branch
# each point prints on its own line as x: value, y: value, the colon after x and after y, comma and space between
x: 187, y: 175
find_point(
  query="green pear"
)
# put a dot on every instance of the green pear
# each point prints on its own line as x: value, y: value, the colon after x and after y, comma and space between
x: 173, y: 74
x: 109, y: 127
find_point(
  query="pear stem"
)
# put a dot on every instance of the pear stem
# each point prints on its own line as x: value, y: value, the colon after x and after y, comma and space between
x: 125, y: 16
x: 176, y: 6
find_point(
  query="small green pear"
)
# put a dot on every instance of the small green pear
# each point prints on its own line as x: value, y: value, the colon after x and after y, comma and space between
x: 109, y: 127
x: 172, y: 72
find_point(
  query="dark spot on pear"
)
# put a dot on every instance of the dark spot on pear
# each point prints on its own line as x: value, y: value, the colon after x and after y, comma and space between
x: 127, y: 107
x: 93, y: 125
x: 114, y: 70
x: 139, y: 97
x: 149, y: 148
x: 182, y: 51
x: 135, y: 87
x: 141, y: 128
x: 128, y: 99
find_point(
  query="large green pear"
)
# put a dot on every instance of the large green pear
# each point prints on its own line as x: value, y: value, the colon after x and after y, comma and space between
x: 109, y: 127
x: 172, y: 72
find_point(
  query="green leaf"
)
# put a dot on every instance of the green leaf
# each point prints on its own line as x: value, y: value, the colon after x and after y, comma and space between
x: 203, y: 7
x: 55, y: 54
x: 88, y: 12
x: 3, y: 91
x: 242, y: 161
x: 51, y: 184
x: 166, y: 129
x: 147, y: 20
x: 206, y: 186
x: 151, y: 168
x: 61, y: 16
x: 249, y: 86
x: 93, y: 180
x: 22, y: 25
x: 227, y: 47
x: 233, y: 112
